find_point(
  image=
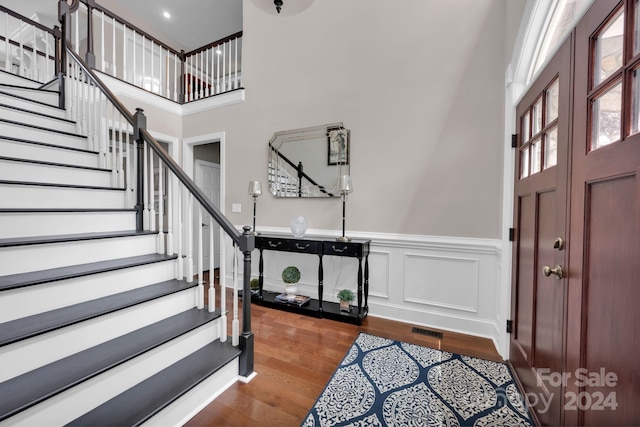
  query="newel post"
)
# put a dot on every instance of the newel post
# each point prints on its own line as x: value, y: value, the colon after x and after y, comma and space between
x: 247, y: 244
x: 139, y: 123
x: 90, y: 57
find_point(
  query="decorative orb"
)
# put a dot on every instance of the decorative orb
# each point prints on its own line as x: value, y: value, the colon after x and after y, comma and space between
x: 298, y: 226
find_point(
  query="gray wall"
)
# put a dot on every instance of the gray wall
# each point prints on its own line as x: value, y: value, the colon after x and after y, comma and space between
x: 419, y: 83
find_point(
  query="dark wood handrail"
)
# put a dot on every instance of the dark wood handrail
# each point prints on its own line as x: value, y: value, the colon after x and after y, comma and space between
x: 191, y: 186
x: 27, y: 20
x: 307, y: 177
x: 214, y: 44
x: 137, y: 29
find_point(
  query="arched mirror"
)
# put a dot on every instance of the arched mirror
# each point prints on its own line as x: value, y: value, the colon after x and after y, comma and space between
x: 307, y: 162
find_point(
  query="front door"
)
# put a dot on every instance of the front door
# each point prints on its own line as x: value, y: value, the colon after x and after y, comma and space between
x: 603, y: 330
x: 540, y: 209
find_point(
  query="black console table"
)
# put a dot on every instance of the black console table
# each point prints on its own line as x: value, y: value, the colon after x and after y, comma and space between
x: 355, y: 248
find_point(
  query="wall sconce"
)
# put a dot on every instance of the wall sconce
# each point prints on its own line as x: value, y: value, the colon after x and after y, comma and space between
x: 255, y: 190
x: 344, y: 188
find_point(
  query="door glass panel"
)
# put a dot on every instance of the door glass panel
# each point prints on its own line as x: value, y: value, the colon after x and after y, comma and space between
x: 552, y: 102
x: 536, y: 116
x: 635, y: 101
x: 525, y: 128
x: 606, y: 114
x: 636, y: 28
x: 524, y: 163
x: 608, y: 49
x: 551, y: 148
x: 536, y: 156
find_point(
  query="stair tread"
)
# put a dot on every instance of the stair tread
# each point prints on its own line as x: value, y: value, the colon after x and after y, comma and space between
x: 24, y: 98
x: 44, y: 129
x: 46, y: 144
x: 46, y: 163
x: 39, y: 240
x: 140, y: 403
x: 24, y: 391
x: 36, y: 113
x: 37, y: 324
x: 20, y: 280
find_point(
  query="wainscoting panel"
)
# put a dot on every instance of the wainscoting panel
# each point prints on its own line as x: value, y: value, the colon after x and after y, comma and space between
x: 448, y: 283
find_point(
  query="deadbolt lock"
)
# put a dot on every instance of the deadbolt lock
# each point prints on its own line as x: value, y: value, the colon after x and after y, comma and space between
x: 558, y: 243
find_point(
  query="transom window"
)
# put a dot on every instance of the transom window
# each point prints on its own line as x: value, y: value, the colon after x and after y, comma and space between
x: 539, y: 133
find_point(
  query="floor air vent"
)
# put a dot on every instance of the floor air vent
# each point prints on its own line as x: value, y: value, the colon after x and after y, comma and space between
x: 426, y: 332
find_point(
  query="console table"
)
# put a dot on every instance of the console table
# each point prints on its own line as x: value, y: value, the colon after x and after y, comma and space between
x: 355, y: 248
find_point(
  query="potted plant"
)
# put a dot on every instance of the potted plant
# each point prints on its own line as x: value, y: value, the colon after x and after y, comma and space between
x: 291, y: 276
x: 346, y: 297
x: 255, y: 286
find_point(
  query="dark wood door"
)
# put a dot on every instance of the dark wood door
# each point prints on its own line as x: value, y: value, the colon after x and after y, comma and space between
x: 540, y: 211
x: 603, y: 330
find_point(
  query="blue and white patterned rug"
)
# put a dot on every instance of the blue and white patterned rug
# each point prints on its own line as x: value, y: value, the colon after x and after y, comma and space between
x: 382, y: 382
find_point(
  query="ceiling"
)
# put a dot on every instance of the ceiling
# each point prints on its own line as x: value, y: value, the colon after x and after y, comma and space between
x: 213, y: 19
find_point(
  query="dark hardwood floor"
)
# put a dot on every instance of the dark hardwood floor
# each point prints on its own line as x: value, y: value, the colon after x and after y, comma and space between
x: 295, y: 356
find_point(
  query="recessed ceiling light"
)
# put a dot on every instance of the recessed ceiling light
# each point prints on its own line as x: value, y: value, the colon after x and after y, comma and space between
x: 166, y: 14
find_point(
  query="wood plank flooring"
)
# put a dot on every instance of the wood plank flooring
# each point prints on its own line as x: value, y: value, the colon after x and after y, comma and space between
x: 295, y: 356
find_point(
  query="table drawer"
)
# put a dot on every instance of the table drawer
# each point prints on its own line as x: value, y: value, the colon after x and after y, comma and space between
x: 288, y: 245
x: 343, y: 249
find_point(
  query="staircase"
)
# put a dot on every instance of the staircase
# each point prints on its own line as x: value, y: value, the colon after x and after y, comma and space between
x: 95, y: 329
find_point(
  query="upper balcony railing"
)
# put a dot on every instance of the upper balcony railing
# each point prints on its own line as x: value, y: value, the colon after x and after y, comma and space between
x: 120, y: 49
x: 27, y: 48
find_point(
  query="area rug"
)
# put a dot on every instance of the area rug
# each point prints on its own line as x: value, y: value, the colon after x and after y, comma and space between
x: 382, y: 382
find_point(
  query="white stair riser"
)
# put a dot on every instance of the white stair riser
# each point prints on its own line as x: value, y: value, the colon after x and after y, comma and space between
x: 33, y: 196
x: 187, y: 406
x: 40, y: 135
x: 38, y: 351
x: 21, y: 259
x: 33, y: 106
x: 69, y: 405
x: 24, y: 150
x: 37, y: 120
x: 46, y: 97
x: 23, y: 224
x: 37, y: 172
x: 16, y: 80
x: 27, y: 301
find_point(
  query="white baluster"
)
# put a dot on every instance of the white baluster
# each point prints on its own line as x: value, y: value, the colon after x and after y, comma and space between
x: 161, y: 190
x: 103, y: 63
x: 143, y: 61
x: 113, y: 147
x: 224, y: 67
x: 235, y: 78
x: 200, y: 298
x: 33, y: 69
x: 134, y: 167
x: 213, y: 70
x: 21, y: 68
x: 205, y: 55
x: 189, y: 227
x: 114, y: 71
x: 235, y: 323
x: 152, y: 195
x: 175, y: 79
x: 128, y: 168
x: 47, y: 61
x: 152, y: 62
x: 120, y: 151
x: 7, y: 45
x: 212, y: 273
x: 218, y: 69
x: 104, y: 134
x: 124, y: 52
x: 180, y: 226
x: 145, y: 216
x: 170, y: 210
x: 133, y: 78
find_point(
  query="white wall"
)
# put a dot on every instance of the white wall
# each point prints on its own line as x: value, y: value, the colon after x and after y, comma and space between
x: 421, y: 87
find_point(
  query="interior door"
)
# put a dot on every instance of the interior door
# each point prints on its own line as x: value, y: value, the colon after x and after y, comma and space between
x: 603, y: 331
x: 208, y: 180
x: 540, y: 212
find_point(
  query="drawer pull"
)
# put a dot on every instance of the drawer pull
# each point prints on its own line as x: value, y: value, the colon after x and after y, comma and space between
x: 299, y: 246
x: 339, y: 250
x: 274, y: 245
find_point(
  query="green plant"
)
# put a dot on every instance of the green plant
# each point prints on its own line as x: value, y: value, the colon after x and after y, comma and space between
x: 254, y: 283
x: 345, y: 295
x: 291, y: 274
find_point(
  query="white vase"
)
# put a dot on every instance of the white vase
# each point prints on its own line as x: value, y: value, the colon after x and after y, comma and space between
x: 298, y: 226
x: 291, y: 291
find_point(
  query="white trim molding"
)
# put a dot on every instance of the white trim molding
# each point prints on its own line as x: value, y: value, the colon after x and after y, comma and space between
x: 448, y: 283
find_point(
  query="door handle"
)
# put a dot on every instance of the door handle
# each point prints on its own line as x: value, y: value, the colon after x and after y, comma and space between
x: 557, y: 271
